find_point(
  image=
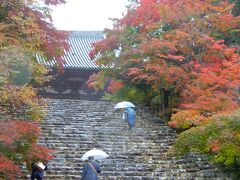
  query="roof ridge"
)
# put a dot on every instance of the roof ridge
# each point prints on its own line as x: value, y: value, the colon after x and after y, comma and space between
x: 80, y: 46
x: 87, y: 34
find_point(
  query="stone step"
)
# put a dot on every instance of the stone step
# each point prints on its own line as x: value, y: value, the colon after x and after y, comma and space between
x: 73, y: 127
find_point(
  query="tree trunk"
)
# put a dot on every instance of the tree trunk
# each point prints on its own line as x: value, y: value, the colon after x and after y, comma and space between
x: 165, y: 96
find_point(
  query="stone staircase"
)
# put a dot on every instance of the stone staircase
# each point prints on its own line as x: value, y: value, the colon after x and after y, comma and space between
x: 73, y: 127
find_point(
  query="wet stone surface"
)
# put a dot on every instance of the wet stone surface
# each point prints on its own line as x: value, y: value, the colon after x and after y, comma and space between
x: 73, y: 127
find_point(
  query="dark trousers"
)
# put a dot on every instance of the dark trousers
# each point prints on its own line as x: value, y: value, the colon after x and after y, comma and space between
x: 130, y: 125
x: 33, y: 177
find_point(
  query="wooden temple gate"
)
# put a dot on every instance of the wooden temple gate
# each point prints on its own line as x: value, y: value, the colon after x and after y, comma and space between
x: 77, y: 69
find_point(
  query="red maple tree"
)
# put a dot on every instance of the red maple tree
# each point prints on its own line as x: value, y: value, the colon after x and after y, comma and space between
x: 183, y: 49
x: 26, y: 29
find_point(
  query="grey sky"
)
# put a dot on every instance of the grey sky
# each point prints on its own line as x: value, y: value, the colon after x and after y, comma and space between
x: 87, y: 14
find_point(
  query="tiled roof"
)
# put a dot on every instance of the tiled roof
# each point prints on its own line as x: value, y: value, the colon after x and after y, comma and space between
x: 80, y: 46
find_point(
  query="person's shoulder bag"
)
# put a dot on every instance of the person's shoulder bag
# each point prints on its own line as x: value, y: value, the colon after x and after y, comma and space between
x: 93, y: 168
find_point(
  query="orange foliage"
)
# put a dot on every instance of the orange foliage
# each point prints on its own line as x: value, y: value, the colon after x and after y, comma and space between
x: 108, y: 45
x: 215, y: 81
x: 26, y: 24
x: 114, y: 86
x: 12, y: 131
x: 39, y: 153
x: 214, y: 146
x: 171, y: 44
x: 215, y: 149
x: 31, y: 28
x: 145, y: 14
x: 186, y: 119
x: 8, y: 168
x: 172, y: 124
x: 92, y: 80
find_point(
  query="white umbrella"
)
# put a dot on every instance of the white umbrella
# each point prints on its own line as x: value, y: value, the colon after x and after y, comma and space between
x: 96, y: 153
x: 123, y: 104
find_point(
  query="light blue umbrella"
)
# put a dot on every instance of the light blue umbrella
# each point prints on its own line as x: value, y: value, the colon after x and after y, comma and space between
x: 96, y: 153
x: 123, y: 104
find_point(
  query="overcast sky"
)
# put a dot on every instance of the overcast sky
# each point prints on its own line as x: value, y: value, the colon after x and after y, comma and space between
x: 87, y: 14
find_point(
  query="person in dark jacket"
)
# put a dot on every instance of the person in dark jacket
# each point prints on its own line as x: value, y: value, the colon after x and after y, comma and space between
x: 129, y: 114
x: 91, y: 169
x: 36, y: 173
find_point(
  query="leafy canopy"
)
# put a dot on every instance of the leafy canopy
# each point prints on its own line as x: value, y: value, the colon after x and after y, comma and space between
x: 26, y: 29
x: 186, y: 47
